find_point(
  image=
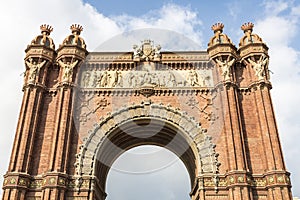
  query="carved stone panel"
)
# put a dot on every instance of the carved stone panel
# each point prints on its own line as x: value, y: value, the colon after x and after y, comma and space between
x: 146, y: 76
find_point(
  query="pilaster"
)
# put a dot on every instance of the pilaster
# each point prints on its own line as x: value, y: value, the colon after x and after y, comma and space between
x: 224, y: 53
x: 39, y: 56
x: 254, y: 57
x: 70, y: 56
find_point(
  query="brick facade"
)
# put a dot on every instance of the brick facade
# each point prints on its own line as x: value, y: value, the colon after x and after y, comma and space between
x: 81, y: 110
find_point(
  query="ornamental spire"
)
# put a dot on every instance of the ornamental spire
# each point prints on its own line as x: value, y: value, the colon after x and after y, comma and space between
x: 249, y: 37
x: 74, y: 38
x: 219, y: 37
x: 46, y: 29
x: 247, y: 26
x: 76, y: 28
x: 44, y: 39
x: 217, y: 27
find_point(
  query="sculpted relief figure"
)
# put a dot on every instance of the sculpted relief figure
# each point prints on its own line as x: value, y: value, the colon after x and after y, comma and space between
x: 33, y: 69
x: 105, y: 79
x: 147, y: 78
x: 155, y: 79
x: 96, y: 81
x: 136, y: 51
x: 171, y: 79
x: 86, y: 79
x: 118, y: 79
x: 67, y: 70
x: 193, y: 78
x: 259, y: 66
x: 226, y: 67
x: 157, y: 52
x: 131, y: 79
x: 139, y: 78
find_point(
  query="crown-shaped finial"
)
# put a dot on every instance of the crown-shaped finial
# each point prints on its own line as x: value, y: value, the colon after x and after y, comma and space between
x: 247, y: 26
x: 76, y: 28
x: 218, y: 27
x: 46, y: 28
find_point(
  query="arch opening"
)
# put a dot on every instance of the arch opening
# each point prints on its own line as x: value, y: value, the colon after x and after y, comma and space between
x: 145, y: 131
x: 148, y: 172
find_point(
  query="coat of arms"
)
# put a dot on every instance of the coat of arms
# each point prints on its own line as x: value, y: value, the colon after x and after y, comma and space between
x: 146, y: 51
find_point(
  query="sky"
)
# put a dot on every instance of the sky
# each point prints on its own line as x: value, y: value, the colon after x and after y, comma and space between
x: 277, y: 22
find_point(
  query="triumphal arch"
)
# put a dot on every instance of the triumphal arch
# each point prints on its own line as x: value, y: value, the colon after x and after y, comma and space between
x: 81, y: 110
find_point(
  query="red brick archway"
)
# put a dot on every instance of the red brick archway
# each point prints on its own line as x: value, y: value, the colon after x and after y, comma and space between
x: 157, y: 125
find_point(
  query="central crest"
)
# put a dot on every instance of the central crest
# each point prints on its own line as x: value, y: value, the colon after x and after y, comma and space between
x: 147, y: 48
x: 147, y: 51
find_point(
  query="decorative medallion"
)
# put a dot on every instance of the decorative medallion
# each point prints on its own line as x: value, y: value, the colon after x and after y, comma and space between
x: 241, y: 179
x: 61, y: 181
x: 12, y: 181
x: 280, y: 179
x: 52, y: 181
x: 22, y: 182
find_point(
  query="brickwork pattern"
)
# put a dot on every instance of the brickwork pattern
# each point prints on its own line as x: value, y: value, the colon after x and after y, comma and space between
x: 58, y: 116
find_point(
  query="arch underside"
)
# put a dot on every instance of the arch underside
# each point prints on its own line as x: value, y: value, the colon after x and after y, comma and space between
x: 142, y: 133
x: 146, y: 123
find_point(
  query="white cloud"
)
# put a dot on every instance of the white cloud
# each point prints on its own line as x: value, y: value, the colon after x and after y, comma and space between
x: 170, y: 17
x: 296, y: 11
x: 276, y: 7
x: 278, y: 31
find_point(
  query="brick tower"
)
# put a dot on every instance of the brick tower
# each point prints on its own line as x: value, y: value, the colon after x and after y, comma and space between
x: 81, y: 110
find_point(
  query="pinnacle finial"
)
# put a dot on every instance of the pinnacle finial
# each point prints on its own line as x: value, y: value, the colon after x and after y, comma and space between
x: 46, y: 28
x: 217, y: 27
x: 76, y: 28
x: 247, y: 26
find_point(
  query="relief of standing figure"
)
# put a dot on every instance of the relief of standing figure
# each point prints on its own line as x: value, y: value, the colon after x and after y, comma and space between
x: 136, y: 51
x: 171, y: 80
x: 193, y: 78
x: 259, y: 66
x: 67, y: 70
x: 33, y: 69
x: 131, y: 79
x: 118, y: 82
x: 86, y: 79
x: 105, y: 79
x: 226, y: 67
x: 96, y: 80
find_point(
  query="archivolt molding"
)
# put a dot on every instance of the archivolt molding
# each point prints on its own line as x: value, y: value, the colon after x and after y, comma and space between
x: 196, y: 136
